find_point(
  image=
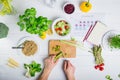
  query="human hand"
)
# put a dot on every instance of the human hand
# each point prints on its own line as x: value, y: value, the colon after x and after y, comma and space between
x: 69, y: 70
x: 50, y: 63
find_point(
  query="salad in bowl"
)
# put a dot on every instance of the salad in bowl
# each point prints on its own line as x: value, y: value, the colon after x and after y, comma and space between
x: 61, y: 27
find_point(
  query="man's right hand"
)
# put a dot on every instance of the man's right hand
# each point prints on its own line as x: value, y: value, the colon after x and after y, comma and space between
x: 69, y: 70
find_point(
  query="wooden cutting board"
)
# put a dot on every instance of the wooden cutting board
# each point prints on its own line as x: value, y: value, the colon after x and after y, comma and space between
x: 67, y: 50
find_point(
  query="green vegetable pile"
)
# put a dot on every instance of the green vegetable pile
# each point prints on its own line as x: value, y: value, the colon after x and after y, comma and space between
x: 114, y: 41
x: 33, y: 24
x: 3, y: 30
x: 97, y: 54
x: 32, y: 69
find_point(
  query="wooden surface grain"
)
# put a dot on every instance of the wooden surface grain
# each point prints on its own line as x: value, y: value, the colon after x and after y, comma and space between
x: 68, y: 50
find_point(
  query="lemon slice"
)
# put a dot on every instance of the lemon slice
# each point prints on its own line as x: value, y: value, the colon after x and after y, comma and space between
x: 43, y: 35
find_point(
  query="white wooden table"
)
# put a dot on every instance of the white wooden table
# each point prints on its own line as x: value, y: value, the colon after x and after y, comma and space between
x: 84, y: 62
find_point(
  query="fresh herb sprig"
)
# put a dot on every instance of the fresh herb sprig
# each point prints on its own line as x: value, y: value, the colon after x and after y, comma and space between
x: 114, y: 41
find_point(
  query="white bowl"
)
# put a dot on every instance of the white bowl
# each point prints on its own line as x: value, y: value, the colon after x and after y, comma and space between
x: 57, y: 20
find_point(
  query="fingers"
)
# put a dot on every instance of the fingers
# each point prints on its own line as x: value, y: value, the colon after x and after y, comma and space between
x: 52, y: 55
x: 52, y: 58
x: 69, y: 64
x: 65, y: 64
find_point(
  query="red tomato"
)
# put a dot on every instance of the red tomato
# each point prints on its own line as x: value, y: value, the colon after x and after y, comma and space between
x: 60, y: 29
x: 97, y: 66
x: 101, y: 68
x: 66, y: 27
x: 56, y: 29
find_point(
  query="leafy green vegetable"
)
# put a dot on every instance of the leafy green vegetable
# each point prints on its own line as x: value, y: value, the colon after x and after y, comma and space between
x: 32, y: 69
x: 114, y: 41
x: 7, y: 8
x: 33, y: 24
x: 97, y: 54
x: 3, y: 30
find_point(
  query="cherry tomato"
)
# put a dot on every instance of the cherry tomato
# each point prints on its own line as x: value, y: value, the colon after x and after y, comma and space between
x: 60, y: 29
x: 66, y: 27
x: 97, y: 66
x: 56, y: 29
x: 101, y: 68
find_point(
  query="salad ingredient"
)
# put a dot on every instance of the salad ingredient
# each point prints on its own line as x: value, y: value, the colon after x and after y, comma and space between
x: 3, y: 30
x: 85, y: 6
x: 43, y: 35
x: 6, y: 8
x: 97, y: 66
x: 49, y: 32
x: 96, y: 50
x: 29, y: 48
x: 108, y: 77
x: 100, y: 67
x: 33, y: 24
x: 72, y: 39
x: 114, y: 41
x: 12, y: 63
x: 80, y: 45
x: 69, y: 43
x: 60, y: 28
x: 69, y: 8
x: 59, y: 55
x: 119, y: 75
x: 32, y: 69
x: 56, y: 48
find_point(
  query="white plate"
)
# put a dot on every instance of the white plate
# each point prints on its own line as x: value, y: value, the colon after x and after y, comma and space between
x: 22, y: 40
x: 105, y: 42
x: 53, y: 24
